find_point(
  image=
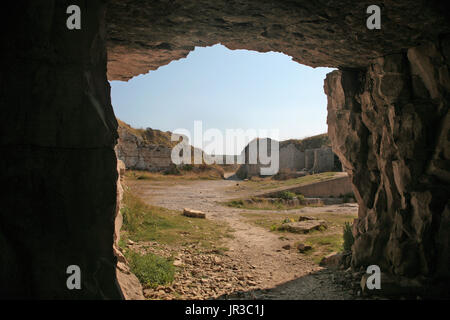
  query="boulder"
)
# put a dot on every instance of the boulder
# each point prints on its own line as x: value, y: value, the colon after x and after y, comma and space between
x: 336, y: 260
x: 332, y: 260
x: 193, y: 213
x: 129, y: 283
x: 302, y: 248
x: 303, y: 226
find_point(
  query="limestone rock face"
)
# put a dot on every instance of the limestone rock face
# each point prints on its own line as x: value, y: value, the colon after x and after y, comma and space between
x: 323, y: 160
x: 136, y: 153
x: 144, y: 35
x: 389, y: 125
x: 291, y: 157
x: 129, y: 284
x: 58, y: 163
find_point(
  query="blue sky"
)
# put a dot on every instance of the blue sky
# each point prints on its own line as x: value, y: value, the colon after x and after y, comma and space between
x: 226, y: 89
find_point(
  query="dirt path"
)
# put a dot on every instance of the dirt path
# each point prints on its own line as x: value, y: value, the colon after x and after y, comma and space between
x: 280, y: 273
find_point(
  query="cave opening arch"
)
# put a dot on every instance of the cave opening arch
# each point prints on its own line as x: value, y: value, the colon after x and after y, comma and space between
x: 388, y: 102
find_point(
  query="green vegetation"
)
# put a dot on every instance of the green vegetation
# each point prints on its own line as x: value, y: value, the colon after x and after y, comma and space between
x: 236, y: 204
x: 261, y: 184
x: 332, y: 239
x: 149, y: 135
x: 347, y: 236
x: 269, y: 221
x: 261, y: 204
x: 150, y: 269
x: 287, y: 195
x: 186, y: 172
x: 323, y: 244
x: 310, y: 142
x: 144, y: 222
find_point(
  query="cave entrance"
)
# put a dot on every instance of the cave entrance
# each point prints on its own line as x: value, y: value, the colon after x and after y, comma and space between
x: 250, y: 240
x: 60, y: 130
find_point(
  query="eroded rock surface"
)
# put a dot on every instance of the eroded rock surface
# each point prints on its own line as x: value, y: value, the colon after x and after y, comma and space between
x: 59, y: 167
x: 139, y: 152
x: 144, y: 35
x: 129, y: 284
x: 389, y: 125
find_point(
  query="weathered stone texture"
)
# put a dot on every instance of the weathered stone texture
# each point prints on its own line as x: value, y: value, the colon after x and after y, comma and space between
x: 389, y: 126
x: 309, y: 159
x: 138, y: 154
x: 129, y: 284
x: 323, y: 160
x: 144, y: 35
x: 290, y: 157
x: 58, y: 163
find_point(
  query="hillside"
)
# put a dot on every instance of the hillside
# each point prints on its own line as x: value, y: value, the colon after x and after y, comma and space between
x: 313, y: 142
x: 150, y: 150
x: 149, y: 135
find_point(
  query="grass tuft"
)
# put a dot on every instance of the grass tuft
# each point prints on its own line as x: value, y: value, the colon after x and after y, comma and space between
x: 287, y: 195
x: 323, y: 242
x: 151, y: 270
x: 186, y: 172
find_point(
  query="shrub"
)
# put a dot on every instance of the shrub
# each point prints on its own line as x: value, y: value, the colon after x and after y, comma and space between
x: 348, y: 236
x: 236, y: 203
x: 287, y: 195
x: 172, y: 170
x: 150, y: 269
x: 187, y: 167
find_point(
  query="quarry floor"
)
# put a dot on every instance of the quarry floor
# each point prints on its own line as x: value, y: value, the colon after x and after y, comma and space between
x: 256, y: 264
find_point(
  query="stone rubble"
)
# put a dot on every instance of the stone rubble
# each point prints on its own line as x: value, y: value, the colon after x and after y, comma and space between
x: 200, y: 273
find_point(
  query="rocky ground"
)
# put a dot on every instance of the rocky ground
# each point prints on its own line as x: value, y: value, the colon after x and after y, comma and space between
x: 258, y: 264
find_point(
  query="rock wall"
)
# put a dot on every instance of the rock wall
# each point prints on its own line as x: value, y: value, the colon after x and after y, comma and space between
x: 144, y: 35
x: 323, y: 160
x: 138, y: 154
x: 309, y: 159
x: 250, y: 159
x: 57, y: 138
x: 336, y: 187
x: 389, y: 125
x: 292, y: 158
x: 129, y: 284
